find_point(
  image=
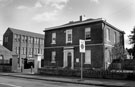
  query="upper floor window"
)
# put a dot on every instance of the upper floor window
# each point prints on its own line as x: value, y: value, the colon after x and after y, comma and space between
x: 53, y: 38
x: 41, y: 41
x: 115, y: 35
x: 17, y: 37
x: 31, y: 39
x: 6, y: 39
x: 69, y: 36
x: 108, y: 34
x: 23, y: 38
x: 36, y: 40
x: 88, y: 33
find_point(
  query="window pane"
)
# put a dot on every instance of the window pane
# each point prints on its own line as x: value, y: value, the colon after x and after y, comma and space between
x: 108, y: 34
x: 87, y: 33
x: 69, y: 36
x: 88, y: 57
x: 53, y: 57
x: 53, y: 38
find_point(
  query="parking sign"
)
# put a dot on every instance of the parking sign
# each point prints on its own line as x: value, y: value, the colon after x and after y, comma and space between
x: 82, y: 46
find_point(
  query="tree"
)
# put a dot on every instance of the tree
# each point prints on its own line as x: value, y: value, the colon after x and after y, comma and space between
x: 118, y: 52
x: 132, y: 41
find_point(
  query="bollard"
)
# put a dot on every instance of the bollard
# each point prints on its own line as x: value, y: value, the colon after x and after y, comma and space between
x: 31, y: 69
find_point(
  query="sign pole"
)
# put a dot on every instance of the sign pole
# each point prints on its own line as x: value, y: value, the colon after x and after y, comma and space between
x: 82, y: 50
x: 81, y: 66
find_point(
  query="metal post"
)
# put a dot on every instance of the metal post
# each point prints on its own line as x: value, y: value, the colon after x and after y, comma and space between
x: 81, y: 66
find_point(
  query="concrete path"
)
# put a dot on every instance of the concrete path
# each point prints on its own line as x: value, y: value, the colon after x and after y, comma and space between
x: 88, y: 81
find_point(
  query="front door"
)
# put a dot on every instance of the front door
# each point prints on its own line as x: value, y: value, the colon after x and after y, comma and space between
x: 69, y: 56
x: 68, y: 59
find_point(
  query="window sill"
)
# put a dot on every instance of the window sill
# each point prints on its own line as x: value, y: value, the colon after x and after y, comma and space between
x: 87, y: 63
x: 88, y: 40
x: 53, y: 43
x: 68, y: 42
x: 53, y: 61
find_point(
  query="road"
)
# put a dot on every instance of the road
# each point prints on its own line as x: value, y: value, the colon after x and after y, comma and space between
x: 22, y: 82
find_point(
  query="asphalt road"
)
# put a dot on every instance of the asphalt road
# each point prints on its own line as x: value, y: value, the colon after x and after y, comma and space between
x: 21, y: 82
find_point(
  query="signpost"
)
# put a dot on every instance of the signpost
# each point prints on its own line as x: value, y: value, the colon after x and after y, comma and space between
x: 82, y: 50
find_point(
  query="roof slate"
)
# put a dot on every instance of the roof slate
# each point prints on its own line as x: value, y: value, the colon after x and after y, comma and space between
x: 27, y: 33
x: 74, y: 23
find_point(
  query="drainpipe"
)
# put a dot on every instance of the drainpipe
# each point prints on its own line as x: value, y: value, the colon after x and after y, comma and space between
x: 103, y: 28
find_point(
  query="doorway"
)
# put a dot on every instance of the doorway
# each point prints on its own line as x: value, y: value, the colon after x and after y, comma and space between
x: 68, y: 59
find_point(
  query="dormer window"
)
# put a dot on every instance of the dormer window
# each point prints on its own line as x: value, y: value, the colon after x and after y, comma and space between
x: 69, y: 36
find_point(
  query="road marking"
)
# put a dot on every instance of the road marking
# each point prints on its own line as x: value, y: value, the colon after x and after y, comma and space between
x: 6, y: 84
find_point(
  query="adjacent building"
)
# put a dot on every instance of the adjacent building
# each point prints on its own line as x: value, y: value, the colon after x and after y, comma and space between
x: 5, y: 55
x: 61, y: 47
x: 23, y: 43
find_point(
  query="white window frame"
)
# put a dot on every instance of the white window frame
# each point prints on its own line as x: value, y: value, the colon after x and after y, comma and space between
x: 68, y: 32
x: 53, y: 38
x: 88, y: 29
x: 53, y: 57
x: 108, y: 34
x: 87, y: 57
x: 115, y: 39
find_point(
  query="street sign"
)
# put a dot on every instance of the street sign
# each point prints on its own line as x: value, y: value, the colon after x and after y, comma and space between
x: 82, y: 46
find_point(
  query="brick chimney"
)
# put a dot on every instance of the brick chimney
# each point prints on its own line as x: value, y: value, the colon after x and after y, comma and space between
x: 81, y: 18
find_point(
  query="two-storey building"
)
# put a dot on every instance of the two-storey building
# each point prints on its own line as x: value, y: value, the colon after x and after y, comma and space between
x: 23, y: 43
x: 62, y: 44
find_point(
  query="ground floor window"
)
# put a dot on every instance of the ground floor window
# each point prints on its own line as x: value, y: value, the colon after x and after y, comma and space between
x: 87, y: 57
x: 53, y: 56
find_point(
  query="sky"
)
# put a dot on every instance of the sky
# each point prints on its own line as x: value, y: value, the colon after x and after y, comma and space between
x: 36, y: 15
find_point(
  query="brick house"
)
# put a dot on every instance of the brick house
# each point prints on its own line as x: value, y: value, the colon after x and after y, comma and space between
x: 62, y: 44
x: 23, y: 43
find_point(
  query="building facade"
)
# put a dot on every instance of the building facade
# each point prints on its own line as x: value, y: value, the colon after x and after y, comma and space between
x: 62, y: 44
x: 23, y: 43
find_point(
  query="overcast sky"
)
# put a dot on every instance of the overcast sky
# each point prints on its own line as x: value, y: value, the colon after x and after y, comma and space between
x: 35, y: 15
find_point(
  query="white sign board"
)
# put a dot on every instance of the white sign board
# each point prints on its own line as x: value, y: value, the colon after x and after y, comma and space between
x: 82, y: 46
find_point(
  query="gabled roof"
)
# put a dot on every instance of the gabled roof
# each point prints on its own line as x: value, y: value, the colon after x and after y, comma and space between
x: 27, y: 33
x: 74, y: 23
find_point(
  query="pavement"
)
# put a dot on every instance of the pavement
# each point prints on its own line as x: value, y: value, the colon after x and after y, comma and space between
x: 73, y: 80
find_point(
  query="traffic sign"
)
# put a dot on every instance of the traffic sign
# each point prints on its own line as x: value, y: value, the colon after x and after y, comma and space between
x: 82, y: 46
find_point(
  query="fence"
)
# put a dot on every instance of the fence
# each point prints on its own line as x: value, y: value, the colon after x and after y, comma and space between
x: 5, y: 68
x: 88, y: 73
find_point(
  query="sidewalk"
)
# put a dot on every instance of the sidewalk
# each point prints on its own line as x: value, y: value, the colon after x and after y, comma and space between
x: 88, y: 81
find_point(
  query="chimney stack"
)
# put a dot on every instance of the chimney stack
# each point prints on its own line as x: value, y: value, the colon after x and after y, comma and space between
x: 81, y: 18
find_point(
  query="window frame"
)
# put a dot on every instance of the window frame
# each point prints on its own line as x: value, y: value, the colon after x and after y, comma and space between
x: 115, y: 37
x: 69, y: 33
x: 86, y: 60
x: 86, y: 30
x: 53, y: 38
x: 108, y: 34
x: 53, y: 57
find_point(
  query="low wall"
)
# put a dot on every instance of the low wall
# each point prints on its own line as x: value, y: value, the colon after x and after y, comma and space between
x: 5, y: 68
x: 87, y: 73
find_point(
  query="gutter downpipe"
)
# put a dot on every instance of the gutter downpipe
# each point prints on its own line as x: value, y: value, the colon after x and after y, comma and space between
x: 103, y: 28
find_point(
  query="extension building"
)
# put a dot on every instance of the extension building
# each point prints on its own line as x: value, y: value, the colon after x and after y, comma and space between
x: 23, y: 43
